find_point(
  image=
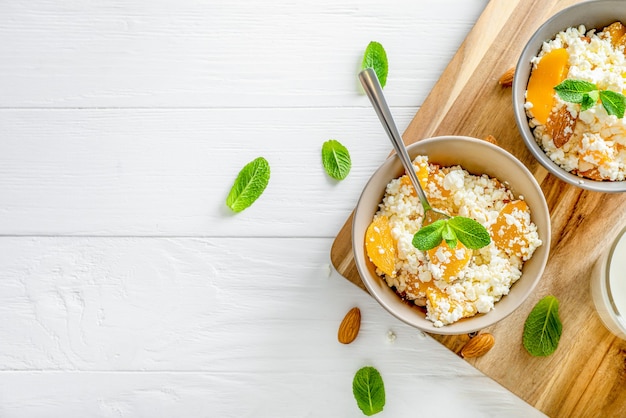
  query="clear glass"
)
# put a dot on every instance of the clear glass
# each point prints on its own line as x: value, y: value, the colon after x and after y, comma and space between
x: 608, y: 286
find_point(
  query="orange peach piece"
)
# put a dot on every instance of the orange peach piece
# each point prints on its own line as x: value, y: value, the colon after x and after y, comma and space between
x: 450, y: 261
x: 380, y: 245
x: 550, y: 71
x: 422, y: 176
x: 506, y: 236
x: 616, y: 30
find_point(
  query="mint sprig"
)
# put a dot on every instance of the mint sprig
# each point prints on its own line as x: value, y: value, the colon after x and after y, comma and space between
x: 587, y: 95
x: 542, y: 329
x: 470, y: 232
x: 369, y: 390
x: 613, y: 102
x: 375, y: 57
x: 249, y: 184
x: 336, y: 159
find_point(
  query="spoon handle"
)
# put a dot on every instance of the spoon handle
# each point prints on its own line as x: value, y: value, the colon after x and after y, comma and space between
x: 374, y: 91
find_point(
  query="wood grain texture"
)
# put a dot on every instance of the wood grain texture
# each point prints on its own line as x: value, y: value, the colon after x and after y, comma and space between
x: 585, y: 376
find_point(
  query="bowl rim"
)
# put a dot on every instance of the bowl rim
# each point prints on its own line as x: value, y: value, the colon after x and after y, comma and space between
x: 452, y: 329
x: 530, y: 50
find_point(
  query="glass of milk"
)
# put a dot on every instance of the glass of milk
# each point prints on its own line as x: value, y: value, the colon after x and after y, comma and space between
x: 608, y: 286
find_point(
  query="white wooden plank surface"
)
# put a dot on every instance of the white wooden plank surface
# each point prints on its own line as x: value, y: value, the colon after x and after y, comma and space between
x: 168, y: 172
x: 205, y: 395
x: 220, y: 53
x: 129, y: 327
x: 127, y: 289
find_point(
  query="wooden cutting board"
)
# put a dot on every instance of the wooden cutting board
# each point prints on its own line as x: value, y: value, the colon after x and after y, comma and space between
x: 586, y: 376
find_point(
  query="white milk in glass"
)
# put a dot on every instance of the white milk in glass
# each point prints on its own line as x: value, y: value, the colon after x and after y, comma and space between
x: 608, y: 286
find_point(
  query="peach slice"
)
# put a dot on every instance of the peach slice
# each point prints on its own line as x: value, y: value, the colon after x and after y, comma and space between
x: 616, y: 31
x: 380, y: 245
x: 449, y: 262
x: 550, y: 72
x: 422, y: 176
x: 508, y: 230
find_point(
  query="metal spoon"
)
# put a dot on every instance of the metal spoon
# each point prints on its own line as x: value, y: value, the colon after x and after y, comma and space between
x: 374, y: 91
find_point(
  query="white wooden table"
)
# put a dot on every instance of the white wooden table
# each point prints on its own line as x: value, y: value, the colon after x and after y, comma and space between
x: 127, y: 288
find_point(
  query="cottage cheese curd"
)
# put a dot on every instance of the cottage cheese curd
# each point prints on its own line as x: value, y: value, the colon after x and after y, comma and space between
x: 456, y: 283
x: 595, y: 144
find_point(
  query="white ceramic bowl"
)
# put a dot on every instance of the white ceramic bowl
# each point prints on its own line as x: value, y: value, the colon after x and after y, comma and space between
x: 478, y: 157
x: 592, y: 14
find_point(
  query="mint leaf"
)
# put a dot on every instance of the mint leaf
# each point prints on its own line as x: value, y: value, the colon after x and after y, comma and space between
x: 369, y: 390
x: 542, y: 329
x: 429, y: 236
x: 471, y: 233
x: 375, y: 57
x: 589, y: 101
x: 449, y: 236
x: 249, y: 184
x: 573, y: 90
x: 613, y: 102
x: 336, y: 159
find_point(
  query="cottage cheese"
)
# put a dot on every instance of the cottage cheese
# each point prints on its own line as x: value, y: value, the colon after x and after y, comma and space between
x: 478, y: 281
x: 597, y: 147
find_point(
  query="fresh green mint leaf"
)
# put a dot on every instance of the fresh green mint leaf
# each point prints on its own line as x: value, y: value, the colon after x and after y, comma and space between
x: 449, y: 236
x: 249, y: 184
x: 429, y: 236
x: 471, y: 233
x: 336, y: 159
x: 375, y: 57
x: 594, y: 95
x: 369, y: 390
x: 573, y: 90
x: 613, y: 102
x: 589, y: 101
x: 542, y: 329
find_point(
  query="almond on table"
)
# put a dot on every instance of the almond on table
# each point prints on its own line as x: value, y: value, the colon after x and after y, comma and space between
x: 478, y: 346
x: 506, y: 80
x: 350, y: 326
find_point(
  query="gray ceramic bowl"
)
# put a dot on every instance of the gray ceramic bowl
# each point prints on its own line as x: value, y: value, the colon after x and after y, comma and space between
x: 592, y: 14
x: 477, y: 157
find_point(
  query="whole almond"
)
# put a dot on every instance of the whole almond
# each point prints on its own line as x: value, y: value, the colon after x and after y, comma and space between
x: 349, y: 327
x: 507, y: 78
x: 478, y: 346
x: 560, y: 125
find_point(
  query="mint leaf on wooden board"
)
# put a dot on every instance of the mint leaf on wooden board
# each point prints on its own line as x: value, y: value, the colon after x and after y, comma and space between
x: 249, y: 184
x: 470, y: 232
x: 336, y: 159
x: 375, y: 57
x: 369, y: 390
x: 542, y: 329
x: 613, y: 102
